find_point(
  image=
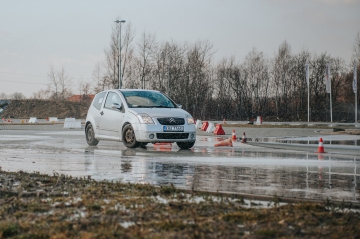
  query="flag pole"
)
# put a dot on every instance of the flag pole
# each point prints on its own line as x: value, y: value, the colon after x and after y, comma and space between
x: 330, y: 95
x: 308, y: 85
x: 328, y: 87
x: 355, y: 89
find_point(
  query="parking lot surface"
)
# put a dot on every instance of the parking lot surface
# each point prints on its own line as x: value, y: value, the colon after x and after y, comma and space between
x: 274, y: 161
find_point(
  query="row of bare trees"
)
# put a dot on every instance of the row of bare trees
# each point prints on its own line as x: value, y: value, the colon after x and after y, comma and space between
x: 272, y: 87
x: 14, y: 96
x: 275, y: 87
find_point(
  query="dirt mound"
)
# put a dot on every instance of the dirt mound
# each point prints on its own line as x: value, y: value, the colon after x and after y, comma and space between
x: 45, y: 108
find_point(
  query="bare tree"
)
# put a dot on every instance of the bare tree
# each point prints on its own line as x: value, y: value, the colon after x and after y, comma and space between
x: 112, y: 56
x: 282, y: 78
x: 257, y: 72
x: 356, y: 49
x: 53, y: 84
x: 127, y: 54
x: 65, y: 84
x: 42, y: 94
x: 145, y: 50
x: 3, y: 96
x: 99, y: 81
x: 59, y: 84
x: 18, y: 96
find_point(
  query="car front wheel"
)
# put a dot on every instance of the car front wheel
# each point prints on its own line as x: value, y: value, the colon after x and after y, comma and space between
x: 90, y: 135
x: 129, y: 138
x: 185, y: 145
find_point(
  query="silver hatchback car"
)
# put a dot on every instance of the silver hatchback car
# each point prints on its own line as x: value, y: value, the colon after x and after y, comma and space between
x: 138, y: 117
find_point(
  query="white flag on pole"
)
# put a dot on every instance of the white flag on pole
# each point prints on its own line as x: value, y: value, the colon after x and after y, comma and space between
x: 307, y: 73
x: 327, y: 79
x: 355, y: 80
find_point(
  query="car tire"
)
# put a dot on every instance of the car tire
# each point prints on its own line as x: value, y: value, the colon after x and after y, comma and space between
x: 128, y: 136
x: 90, y: 135
x: 185, y: 145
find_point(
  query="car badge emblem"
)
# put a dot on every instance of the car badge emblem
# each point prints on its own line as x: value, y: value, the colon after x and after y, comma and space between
x: 172, y: 120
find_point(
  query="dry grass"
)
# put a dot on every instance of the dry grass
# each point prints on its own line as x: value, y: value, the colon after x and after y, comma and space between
x: 41, y: 206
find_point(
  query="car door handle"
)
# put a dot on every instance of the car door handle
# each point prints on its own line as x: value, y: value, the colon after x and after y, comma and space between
x: 102, y: 112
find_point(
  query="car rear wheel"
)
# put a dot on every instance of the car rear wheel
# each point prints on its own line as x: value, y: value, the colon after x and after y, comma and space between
x: 129, y: 138
x: 185, y: 145
x: 90, y: 135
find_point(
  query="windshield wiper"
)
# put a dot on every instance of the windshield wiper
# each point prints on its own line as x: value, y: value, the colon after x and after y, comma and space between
x: 140, y: 106
x: 161, y: 106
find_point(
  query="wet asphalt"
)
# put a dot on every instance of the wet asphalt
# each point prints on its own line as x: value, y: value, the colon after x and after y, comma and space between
x: 274, y: 162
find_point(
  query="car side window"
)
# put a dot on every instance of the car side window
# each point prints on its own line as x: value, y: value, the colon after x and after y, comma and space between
x: 99, y: 99
x: 111, y: 99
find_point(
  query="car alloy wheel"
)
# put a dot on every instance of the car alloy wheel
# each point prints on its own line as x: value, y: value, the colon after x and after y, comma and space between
x: 129, y: 138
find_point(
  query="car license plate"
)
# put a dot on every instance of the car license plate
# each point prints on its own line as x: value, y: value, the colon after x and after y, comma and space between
x: 173, y: 128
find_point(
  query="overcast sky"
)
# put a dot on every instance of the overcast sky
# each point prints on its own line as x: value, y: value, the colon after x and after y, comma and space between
x: 73, y: 34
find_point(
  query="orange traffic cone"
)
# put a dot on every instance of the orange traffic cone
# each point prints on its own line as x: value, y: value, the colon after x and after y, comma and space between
x: 163, y: 143
x: 163, y: 146
x: 47, y: 119
x: 233, y: 137
x: 321, y: 146
x: 243, y: 138
x: 227, y: 142
x: 219, y: 130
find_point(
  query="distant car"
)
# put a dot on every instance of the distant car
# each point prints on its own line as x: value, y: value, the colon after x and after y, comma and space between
x: 138, y: 117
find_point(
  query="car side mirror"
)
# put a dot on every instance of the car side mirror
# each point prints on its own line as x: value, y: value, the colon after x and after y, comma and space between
x: 180, y: 106
x: 116, y: 106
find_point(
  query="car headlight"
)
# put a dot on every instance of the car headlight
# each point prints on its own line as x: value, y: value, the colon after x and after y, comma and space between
x: 190, y: 119
x: 145, y: 119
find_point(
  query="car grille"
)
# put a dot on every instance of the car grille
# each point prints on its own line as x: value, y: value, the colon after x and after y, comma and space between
x: 172, y: 135
x: 171, y: 121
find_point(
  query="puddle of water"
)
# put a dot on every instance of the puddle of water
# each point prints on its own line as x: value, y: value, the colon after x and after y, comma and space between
x: 212, y: 139
x: 22, y: 137
x: 237, y: 170
x: 285, y: 174
x: 77, y: 133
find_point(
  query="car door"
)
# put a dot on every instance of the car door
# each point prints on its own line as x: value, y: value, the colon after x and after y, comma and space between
x: 96, y: 112
x: 111, y: 118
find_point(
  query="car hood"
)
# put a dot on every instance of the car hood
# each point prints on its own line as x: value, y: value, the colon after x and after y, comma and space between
x: 160, y: 112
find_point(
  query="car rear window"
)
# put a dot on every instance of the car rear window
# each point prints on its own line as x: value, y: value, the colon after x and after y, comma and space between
x: 98, y: 100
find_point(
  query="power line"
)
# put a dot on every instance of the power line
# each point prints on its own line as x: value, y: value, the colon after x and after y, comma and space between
x: 20, y: 74
x: 39, y: 76
x: 33, y: 83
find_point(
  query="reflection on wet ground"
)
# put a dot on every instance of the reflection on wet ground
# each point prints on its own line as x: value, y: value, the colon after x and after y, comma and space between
x: 354, y: 141
x: 245, y: 170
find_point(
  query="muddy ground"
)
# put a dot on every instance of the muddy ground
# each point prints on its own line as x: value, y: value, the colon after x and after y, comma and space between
x: 33, y: 205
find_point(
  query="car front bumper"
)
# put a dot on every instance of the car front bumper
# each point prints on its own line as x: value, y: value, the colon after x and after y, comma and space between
x: 145, y: 132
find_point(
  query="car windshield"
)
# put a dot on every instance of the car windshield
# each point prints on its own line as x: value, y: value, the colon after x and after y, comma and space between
x: 147, y: 99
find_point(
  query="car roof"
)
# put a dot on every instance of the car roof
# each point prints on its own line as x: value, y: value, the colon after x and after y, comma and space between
x: 135, y: 90
x: 125, y: 90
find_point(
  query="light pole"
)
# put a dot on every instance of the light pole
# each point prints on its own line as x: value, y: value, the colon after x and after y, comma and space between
x: 119, y: 72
